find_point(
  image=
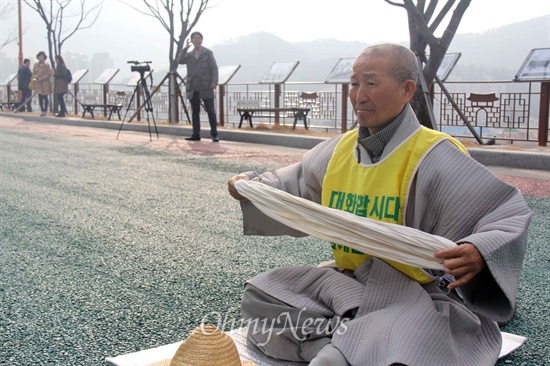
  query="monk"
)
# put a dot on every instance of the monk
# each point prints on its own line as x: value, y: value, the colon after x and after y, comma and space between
x: 364, y: 310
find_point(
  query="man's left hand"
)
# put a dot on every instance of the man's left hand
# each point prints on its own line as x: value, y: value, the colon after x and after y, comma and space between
x: 463, y: 261
x: 214, y: 85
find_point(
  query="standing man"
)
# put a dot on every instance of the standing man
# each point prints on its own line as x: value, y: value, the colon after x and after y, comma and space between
x: 24, y: 76
x: 201, y: 81
x: 365, y: 310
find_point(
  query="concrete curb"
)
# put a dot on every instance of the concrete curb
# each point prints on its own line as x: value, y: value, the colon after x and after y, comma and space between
x: 489, y: 157
x: 512, y: 159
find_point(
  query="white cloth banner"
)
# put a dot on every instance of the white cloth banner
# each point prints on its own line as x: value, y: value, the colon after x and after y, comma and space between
x: 384, y: 240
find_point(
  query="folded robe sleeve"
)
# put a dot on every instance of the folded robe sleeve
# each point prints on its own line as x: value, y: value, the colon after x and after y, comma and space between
x: 456, y: 197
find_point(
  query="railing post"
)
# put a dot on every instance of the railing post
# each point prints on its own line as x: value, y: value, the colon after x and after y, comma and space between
x: 277, y: 102
x: 75, y: 86
x: 221, y: 109
x: 543, y: 113
x: 8, y: 89
x: 138, y: 102
x: 105, y: 97
x: 344, y: 118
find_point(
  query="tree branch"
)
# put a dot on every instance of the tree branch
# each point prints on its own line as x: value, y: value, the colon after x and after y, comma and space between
x: 428, y: 14
x: 394, y: 3
x: 422, y: 26
x: 442, y: 14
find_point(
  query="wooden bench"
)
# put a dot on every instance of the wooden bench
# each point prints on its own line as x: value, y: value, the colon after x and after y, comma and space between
x: 113, y: 108
x: 247, y: 108
x: 10, y: 105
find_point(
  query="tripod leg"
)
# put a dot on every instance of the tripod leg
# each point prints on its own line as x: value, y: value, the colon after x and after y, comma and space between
x: 183, y: 101
x: 28, y: 100
x: 149, y: 108
x: 144, y: 103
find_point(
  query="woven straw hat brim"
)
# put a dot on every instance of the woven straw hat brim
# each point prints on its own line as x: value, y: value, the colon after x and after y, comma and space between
x: 206, y: 346
x: 167, y: 363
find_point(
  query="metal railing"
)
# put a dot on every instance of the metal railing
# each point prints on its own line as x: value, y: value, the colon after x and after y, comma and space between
x: 502, y: 110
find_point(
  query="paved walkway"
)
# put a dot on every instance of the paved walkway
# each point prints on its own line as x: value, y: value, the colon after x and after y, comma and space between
x: 111, y: 246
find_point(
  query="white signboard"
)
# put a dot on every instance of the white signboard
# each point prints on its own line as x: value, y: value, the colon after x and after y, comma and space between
x: 447, y: 65
x: 78, y: 75
x: 225, y: 73
x: 341, y: 72
x: 536, y: 66
x: 106, y: 76
x: 279, y: 72
x: 10, y: 79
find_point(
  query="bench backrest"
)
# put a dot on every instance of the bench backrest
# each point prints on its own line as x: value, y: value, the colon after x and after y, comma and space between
x: 248, y: 103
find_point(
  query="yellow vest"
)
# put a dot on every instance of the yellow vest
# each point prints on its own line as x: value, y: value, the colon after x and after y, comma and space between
x: 377, y: 191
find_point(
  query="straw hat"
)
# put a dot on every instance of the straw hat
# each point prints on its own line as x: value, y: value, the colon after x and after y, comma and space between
x: 206, y: 346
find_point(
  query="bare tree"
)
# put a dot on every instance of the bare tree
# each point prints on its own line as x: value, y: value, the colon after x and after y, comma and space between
x: 424, y: 19
x: 178, y: 18
x: 7, y: 10
x: 63, y: 19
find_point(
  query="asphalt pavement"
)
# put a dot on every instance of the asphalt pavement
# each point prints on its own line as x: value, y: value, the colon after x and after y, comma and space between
x: 112, y: 246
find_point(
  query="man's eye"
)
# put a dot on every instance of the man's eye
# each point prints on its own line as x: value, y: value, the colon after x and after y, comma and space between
x: 370, y: 84
x: 354, y: 84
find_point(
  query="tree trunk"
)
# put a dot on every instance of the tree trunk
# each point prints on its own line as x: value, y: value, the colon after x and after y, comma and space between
x: 172, y: 98
x: 420, y: 107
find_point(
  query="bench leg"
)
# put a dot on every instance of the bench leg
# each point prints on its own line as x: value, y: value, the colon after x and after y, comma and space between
x: 241, y: 123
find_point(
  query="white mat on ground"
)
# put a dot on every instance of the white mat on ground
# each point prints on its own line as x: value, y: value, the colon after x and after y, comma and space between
x: 510, y: 342
x: 380, y: 239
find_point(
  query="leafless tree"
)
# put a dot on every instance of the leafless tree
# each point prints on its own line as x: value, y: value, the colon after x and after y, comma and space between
x: 63, y: 19
x: 424, y: 19
x: 178, y: 18
x: 7, y: 10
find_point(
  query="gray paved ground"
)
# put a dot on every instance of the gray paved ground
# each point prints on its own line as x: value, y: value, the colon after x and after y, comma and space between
x: 109, y: 247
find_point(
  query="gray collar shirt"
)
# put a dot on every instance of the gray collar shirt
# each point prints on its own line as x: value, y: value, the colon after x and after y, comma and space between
x: 375, y: 144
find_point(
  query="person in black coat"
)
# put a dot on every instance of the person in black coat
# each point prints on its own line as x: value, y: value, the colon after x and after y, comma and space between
x: 24, y: 77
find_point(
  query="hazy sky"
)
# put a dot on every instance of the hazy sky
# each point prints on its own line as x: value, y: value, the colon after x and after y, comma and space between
x: 127, y: 34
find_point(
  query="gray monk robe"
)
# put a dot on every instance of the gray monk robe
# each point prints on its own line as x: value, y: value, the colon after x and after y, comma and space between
x: 394, y: 319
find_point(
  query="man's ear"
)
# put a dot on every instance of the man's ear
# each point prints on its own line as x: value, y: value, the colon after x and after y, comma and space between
x: 409, y: 88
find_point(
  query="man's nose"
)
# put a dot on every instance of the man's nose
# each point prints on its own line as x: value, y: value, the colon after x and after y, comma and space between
x: 362, y: 95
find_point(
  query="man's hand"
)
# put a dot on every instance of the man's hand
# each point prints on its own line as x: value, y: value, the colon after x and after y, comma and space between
x: 214, y: 85
x: 187, y: 43
x: 464, y: 262
x: 231, y: 187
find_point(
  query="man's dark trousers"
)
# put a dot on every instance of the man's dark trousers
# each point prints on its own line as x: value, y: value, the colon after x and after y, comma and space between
x: 210, y: 110
x: 26, y: 95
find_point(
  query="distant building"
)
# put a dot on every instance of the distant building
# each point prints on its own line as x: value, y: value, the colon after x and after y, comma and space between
x: 78, y: 61
x: 9, y: 66
x: 100, y: 62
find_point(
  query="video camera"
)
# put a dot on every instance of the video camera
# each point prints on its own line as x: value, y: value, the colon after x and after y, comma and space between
x: 140, y: 66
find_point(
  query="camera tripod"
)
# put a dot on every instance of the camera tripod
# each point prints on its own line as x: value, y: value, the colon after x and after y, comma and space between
x: 147, y: 104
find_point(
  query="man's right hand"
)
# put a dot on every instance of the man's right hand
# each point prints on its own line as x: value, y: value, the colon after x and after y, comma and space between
x: 187, y: 43
x: 231, y: 187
